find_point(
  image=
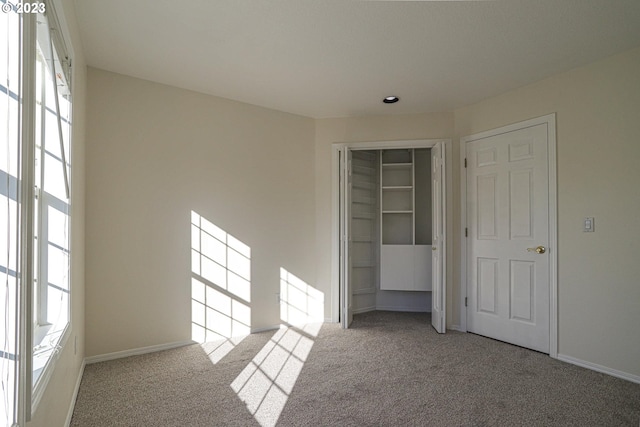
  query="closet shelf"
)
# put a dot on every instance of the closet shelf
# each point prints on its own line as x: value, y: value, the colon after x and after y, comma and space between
x: 397, y: 187
x: 363, y: 215
x: 364, y: 185
x: 363, y: 170
x: 397, y: 165
x: 397, y: 212
x: 363, y: 200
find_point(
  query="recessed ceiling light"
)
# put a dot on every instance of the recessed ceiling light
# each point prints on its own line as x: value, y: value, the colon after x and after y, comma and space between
x: 390, y: 99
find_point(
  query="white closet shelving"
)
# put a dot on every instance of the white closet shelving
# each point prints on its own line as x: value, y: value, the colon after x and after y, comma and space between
x: 405, y: 245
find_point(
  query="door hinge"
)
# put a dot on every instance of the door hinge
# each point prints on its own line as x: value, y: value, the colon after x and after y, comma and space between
x: 465, y: 301
x: 466, y: 232
x: 465, y: 162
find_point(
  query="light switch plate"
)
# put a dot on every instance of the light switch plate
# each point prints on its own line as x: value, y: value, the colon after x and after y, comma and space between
x: 588, y: 225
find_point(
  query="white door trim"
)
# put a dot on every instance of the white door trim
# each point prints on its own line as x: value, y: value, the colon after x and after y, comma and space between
x: 550, y: 121
x: 335, y: 201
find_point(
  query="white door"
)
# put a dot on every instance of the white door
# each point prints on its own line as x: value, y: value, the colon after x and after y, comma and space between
x: 438, y: 305
x: 345, y: 247
x: 508, y: 262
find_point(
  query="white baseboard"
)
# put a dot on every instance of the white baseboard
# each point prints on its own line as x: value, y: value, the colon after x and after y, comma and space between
x: 599, y: 368
x: 402, y: 308
x: 159, y: 347
x: 364, y: 310
x: 457, y: 328
x: 135, y: 352
x: 72, y: 405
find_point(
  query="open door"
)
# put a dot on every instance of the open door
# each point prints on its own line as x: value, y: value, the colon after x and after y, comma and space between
x: 438, y: 252
x: 345, y: 247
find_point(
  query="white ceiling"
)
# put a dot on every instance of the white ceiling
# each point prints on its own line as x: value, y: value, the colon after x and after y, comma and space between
x: 331, y: 58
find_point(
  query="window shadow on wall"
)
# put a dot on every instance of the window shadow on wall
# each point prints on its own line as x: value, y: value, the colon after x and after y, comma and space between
x: 220, y: 288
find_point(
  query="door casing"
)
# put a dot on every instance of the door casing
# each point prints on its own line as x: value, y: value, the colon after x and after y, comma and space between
x: 550, y: 121
x: 336, y: 240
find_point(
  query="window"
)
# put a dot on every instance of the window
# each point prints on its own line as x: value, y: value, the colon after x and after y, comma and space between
x: 35, y: 205
x: 51, y: 276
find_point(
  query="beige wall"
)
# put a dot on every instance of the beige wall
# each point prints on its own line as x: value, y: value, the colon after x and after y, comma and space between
x: 598, y: 129
x: 359, y: 129
x: 57, y: 399
x: 154, y: 154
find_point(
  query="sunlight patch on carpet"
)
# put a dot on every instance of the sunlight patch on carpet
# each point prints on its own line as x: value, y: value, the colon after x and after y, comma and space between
x: 267, y: 382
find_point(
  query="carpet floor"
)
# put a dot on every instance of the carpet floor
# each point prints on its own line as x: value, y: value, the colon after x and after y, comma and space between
x: 389, y: 369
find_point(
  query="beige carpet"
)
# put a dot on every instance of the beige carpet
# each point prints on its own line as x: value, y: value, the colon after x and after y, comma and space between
x: 390, y: 369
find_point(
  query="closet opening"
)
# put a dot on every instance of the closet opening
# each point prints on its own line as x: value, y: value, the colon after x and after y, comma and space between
x: 390, y: 228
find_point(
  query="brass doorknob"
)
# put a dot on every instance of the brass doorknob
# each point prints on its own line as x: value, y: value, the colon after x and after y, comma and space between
x: 538, y: 250
x: 434, y: 248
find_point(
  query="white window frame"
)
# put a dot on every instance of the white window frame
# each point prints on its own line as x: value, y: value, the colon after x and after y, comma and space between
x: 31, y: 393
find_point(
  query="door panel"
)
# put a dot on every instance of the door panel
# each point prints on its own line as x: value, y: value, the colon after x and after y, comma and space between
x: 508, y: 217
x: 487, y: 285
x: 345, y: 231
x: 438, y: 249
x: 520, y: 186
x: 487, y: 207
x: 522, y: 288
